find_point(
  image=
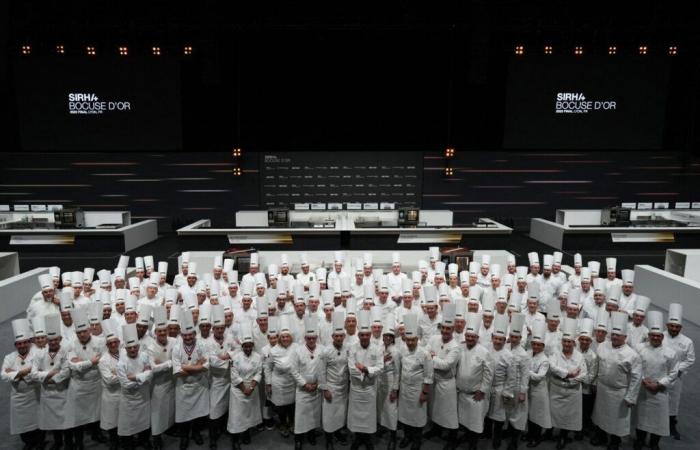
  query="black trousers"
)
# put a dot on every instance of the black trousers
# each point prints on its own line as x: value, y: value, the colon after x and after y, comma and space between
x: 193, y: 426
x: 32, y: 438
x: 588, y: 401
x: 286, y: 414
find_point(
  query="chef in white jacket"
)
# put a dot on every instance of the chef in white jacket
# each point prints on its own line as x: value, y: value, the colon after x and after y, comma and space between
x: 567, y: 371
x: 246, y: 374
x: 685, y: 350
x: 538, y: 396
x: 111, y: 389
x: 85, y: 387
x: 619, y: 379
x: 135, y: 378
x: 388, y: 395
x: 160, y: 353
x: 219, y: 345
x: 365, y: 364
x: 280, y: 384
x: 190, y: 367
x: 517, y: 408
x: 416, y: 378
x: 50, y: 369
x: 334, y: 382
x: 24, y: 390
x: 474, y: 377
x: 442, y: 404
x: 659, y: 372
x: 628, y: 297
x: 504, y: 380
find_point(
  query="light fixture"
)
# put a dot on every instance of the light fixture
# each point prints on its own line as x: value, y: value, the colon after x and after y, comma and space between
x: 26, y: 49
x: 187, y: 50
x: 643, y: 49
x: 548, y: 49
x: 578, y: 50
x: 123, y: 51
x: 236, y: 152
x: 155, y: 51
x: 673, y: 50
x: 519, y: 49
x: 237, y: 172
x: 449, y: 152
x: 449, y: 171
x: 612, y: 50
x: 90, y: 50
x: 60, y: 49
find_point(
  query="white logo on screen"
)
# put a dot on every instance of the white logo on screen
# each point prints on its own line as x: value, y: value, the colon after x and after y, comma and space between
x: 576, y: 103
x: 90, y: 103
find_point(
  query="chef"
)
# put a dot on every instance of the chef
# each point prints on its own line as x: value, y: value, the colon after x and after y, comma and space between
x: 337, y: 272
x: 254, y: 268
x: 160, y: 353
x: 444, y: 350
x: 388, y: 395
x: 85, y: 387
x: 334, y: 383
x: 504, y: 380
x: 111, y: 389
x: 619, y: 379
x: 685, y: 351
x: 307, y: 365
x: 190, y: 367
x: 567, y: 371
x: 659, y: 371
x: 219, y: 347
x: 585, y: 346
x: 24, y: 390
x: 135, y: 378
x: 49, y: 301
x: 395, y: 277
x: 611, y: 272
x: 628, y: 297
x: 305, y: 276
x: 474, y: 376
x: 428, y: 323
x: 637, y: 332
x: 246, y: 374
x: 416, y: 378
x: 517, y: 408
x: 538, y: 396
x: 280, y: 383
x: 483, y: 279
x: 365, y: 365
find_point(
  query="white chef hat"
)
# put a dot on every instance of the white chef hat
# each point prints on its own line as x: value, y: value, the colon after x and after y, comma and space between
x: 430, y: 295
x: 189, y: 300
x: 485, y: 260
x: 539, y: 330
x: 602, y: 320
x: 66, y: 300
x: 416, y: 278
x: 452, y: 269
x: 439, y: 269
x: 359, y: 266
x: 232, y: 276
x: 675, y: 313
x: 192, y: 270
x: 500, y: 325
x: 88, y: 275
x: 272, y: 270
x: 367, y: 259
x: 154, y: 280
x: 39, y: 326
x: 474, y: 267
x: 460, y: 308
x: 273, y: 325
x: 655, y: 322
x: 389, y: 325
x: 495, y: 271
x: 515, y: 301
x: 76, y: 279
x: 299, y: 296
x: 339, y: 257
x: 327, y: 299
x: 162, y: 267
x: 406, y: 286
x: 260, y: 280
x: 175, y: 314
x: 261, y: 304
x: 475, y: 293
x: 533, y: 258
x: 508, y: 280
x: 585, y: 274
x: 216, y: 315
x: 228, y: 265
x: 80, y: 319
x: 338, y: 319
x: 533, y: 290
x: 45, y: 281
x: 627, y: 276
x: 138, y: 263
x: 517, y: 322
x: 613, y: 293
x: 119, y: 273
x: 368, y: 291
x: 488, y: 305
x: 314, y: 289
x: 434, y: 253
x: 95, y: 311
x: 52, y: 325
x: 473, y: 323
x: 573, y: 300
x: 245, y: 334
x: 619, y: 322
x: 148, y: 262
x: 547, y: 261
x: 464, y: 277
x: 130, y: 335
x: 422, y: 265
x: 557, y: 258
x: 109, y: 329
x: 568, y: 329
x: 66, y: 279
x: 105, y: 278
x: 311, y: 326
x: 611, y: 264
x: 553, y: 309
x: 218, y: 262
x: 510, y: 259
x: 186, y: 321
x: 594, y: 267
x: 160, y: 317
x: 321, y: 274
x: 501, y: 294
x: 144, y: 314
x: 410, y: 322
x: 303, y: 259
x: 351, y: 308
x: 586, y: 327
x: 384, y: 284
x: 641, y: 303
x: 344, y: 285
x: 448, y: 314
x: 599, y: 285
x: 120, y: 295
x: 284, y: 260
x: 55, y: 272
x: 204, y: 314
x: 282, y: 287
x: 521, y: 273
x: 123, y: 262
x: 254, y: 260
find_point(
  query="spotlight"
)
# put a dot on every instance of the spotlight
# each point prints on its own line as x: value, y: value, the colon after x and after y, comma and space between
x: 155, y: 51
x: 643, y: 49
x: 237, y: 172
x: 612, y: 50
x: 187, y: 50
x: 60, y: 49
x: 449, y: 171
x: 578, y: 50
x: 26, y: 49
x: 519, y: 49
x: 548, y: 49
x: 90, y: 50
x: 449, y: 152
x: 673, y: 50
x: 123, y: 51
x: 236, y: 152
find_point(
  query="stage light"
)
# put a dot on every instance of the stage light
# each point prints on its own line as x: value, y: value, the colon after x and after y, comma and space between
x: 449, y: 152
x: 673, y: 50
x: 123, y: 51
x: 449, y: 171
x: 237, y: 172
x: 578, y: 50
x: 643, y: 49
x: 26, y: 49
x: 155, y: 51
x: 236, y: 152
x: 187, y: 50
x: 519, y: 49
x: 612, y: 50
x: 548, y: 49
x: 60, y: 49
x: 90, y: 50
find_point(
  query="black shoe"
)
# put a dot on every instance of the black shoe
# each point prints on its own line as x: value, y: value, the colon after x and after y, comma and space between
x: 246, y: 437
x: 236, y: 445
x: 311, y: 437
x: 146, y: 444
x: 184, y: 443
x: 269, y: 424
x: 533, y: 443
x: 197, y: 438
x: 404, y: 442
x: 676, y: 435
x: 513, y: 444
x: 392, y: 444
x: 329, y: 442
x: 416, y: 444
x: 97, y: 436
x: 561, y: 443
x: 547, y: 435
x: 341, y: 437
x: 284, y: 431
x: 598, y: 441
x: 297, y: 444
x: 433, y: 432
x: 578, y: 436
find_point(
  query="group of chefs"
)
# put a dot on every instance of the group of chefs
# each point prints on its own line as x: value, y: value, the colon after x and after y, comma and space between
x: 347, y: 351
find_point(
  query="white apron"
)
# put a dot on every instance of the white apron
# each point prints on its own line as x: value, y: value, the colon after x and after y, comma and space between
x: 659, y: 364
x: 475, y: 371
x: 517, y: 411
x: 85, y: 387
x: 565, y: 397
x: 619, y: 378
x: 24, y: 393
x: 278, y: 373
x: 538, y: 398
x: 685, y: 352
x: 306, y: 368
x: 135, y: 401
x: 416, y: 370
x: 111, y: 392
x: 442, y: 404
x: 504, y: 383
x: 362, y: 411
x: 191, y: 391
x: 53, y: 393
x: 219, y: 376
x: 335, y: 372
x: 244, y: 411
x: 387, y: 410
x: 162, y: 386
